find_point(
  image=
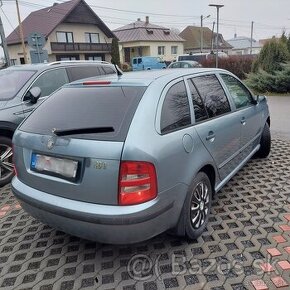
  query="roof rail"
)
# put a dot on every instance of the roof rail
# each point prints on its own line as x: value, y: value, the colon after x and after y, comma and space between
x: 77, y: 61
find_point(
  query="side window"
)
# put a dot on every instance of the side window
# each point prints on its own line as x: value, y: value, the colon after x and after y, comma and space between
x: 198, y: 106
x: 50, y: 81
x: 240, y: 94
x: 134, y: 61
x: 185, y: 65
x: 108, y: 70
x: 176, y: 65
x: 212, y: 94
x: 82, y: 72
x: 139, y: 60
x: 175, y: 113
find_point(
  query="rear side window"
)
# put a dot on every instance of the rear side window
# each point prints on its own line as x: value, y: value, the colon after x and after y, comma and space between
x: 108, y: 70
x: 240, y: 94
x: 175, y: 113
x: 50, y: 81
x: 73, y: 108
x: 198, y: 106
x: 82, y: 72
x: 212, y: 94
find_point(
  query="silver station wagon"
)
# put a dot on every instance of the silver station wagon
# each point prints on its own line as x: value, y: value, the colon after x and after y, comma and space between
x: 122, y: 159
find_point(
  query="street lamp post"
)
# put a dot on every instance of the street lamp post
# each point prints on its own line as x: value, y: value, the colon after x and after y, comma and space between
x: 3, y: 42
x: 201, y: 30
x: 218, y: 6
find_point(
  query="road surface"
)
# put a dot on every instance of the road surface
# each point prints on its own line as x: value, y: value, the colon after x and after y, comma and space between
x: 280, y: 116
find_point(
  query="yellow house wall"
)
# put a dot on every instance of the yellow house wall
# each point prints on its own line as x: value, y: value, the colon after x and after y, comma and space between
x: 150, y: 48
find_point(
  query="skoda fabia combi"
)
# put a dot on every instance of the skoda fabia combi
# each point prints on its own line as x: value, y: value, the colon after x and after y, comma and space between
x: 122, y: 159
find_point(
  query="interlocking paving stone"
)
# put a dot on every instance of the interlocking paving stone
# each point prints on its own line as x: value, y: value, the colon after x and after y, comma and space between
x: 249, y: 217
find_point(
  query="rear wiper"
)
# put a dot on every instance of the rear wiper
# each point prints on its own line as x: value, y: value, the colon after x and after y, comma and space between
x: 76, y: 131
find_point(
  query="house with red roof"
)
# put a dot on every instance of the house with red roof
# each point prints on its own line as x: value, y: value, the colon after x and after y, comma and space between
x: 142, y: 38
x: 71, y: 29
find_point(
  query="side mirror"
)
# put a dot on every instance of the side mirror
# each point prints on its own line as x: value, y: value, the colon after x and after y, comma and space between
x: 35, y: 93
x: 258, y: 99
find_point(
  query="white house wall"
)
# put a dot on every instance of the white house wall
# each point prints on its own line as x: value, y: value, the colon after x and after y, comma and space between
x: 15, y: 51
x: 79, y: 32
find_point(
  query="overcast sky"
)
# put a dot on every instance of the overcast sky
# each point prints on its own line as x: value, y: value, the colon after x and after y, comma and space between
x: 270, y: 17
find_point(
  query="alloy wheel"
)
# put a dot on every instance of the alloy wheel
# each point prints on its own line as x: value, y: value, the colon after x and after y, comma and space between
x: 6, y: 164
x: 200, y: 203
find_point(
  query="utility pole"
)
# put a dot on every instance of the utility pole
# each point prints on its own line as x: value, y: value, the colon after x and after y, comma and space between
x: 212, y: 36
x: 252, y: 29
x: 3, y: 41
x: 217, y: 25
x: 21, y: 32
x: 201, y: 31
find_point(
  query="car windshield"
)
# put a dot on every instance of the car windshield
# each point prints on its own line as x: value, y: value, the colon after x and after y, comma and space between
x: 98, y: 113
x: 11, y: 81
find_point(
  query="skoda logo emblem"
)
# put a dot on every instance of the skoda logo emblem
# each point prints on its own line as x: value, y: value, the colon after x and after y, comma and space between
x: 50, y: 144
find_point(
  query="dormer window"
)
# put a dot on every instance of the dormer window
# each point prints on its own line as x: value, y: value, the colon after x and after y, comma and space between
x: 149, y: 31
x: 166, y: 32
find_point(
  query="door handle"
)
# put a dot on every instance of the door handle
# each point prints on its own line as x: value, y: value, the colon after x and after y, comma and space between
x: 243, y: 121
x: 28, y: 110
x: 211, y: 136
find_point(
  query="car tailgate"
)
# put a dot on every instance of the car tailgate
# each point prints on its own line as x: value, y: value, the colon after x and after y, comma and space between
x: 97, y: 166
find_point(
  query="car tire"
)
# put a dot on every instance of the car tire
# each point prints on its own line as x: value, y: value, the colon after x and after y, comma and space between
x: 265, y: 143
x: 197, y: 206
x: 6, y: 164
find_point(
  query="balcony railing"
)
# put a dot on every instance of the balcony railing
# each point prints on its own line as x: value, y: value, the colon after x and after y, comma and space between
x: 81, y: 46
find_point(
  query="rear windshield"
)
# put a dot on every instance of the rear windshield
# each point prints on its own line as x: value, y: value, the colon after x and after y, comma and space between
x: 11, y: 81
x: 77, y: 109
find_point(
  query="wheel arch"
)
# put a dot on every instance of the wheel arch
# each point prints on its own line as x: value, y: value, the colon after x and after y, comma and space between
x: 7, y: 129
x: 211, y: 173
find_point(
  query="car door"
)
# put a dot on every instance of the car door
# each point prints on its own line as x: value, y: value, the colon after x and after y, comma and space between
x: 49, y: 81
x: 248, y: 112
x: 219, y: 129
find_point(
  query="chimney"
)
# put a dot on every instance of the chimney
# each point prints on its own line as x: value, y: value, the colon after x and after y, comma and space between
x: 54, y: 4
x: 138, y: 19
x: 235, y: 36
x: 147, y: 20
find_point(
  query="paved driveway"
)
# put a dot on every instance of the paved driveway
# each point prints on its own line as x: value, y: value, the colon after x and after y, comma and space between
x: 246, y: 244
x: 280, y: 116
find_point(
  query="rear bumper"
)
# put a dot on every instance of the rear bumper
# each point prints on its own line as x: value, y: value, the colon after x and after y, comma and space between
x: 103, y: 223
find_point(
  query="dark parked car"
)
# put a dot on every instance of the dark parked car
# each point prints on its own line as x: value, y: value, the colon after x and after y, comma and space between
x: 148, y: 156
x: 24, y: 87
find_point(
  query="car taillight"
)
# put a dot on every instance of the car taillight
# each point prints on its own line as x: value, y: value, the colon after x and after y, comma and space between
x: 137, y: 182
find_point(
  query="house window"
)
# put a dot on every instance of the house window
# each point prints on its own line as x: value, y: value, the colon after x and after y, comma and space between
x: 174, y: 49
x: 13, y: 61
x: 161, y: 50
x: 66, y: 37
x: 92, y: 37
